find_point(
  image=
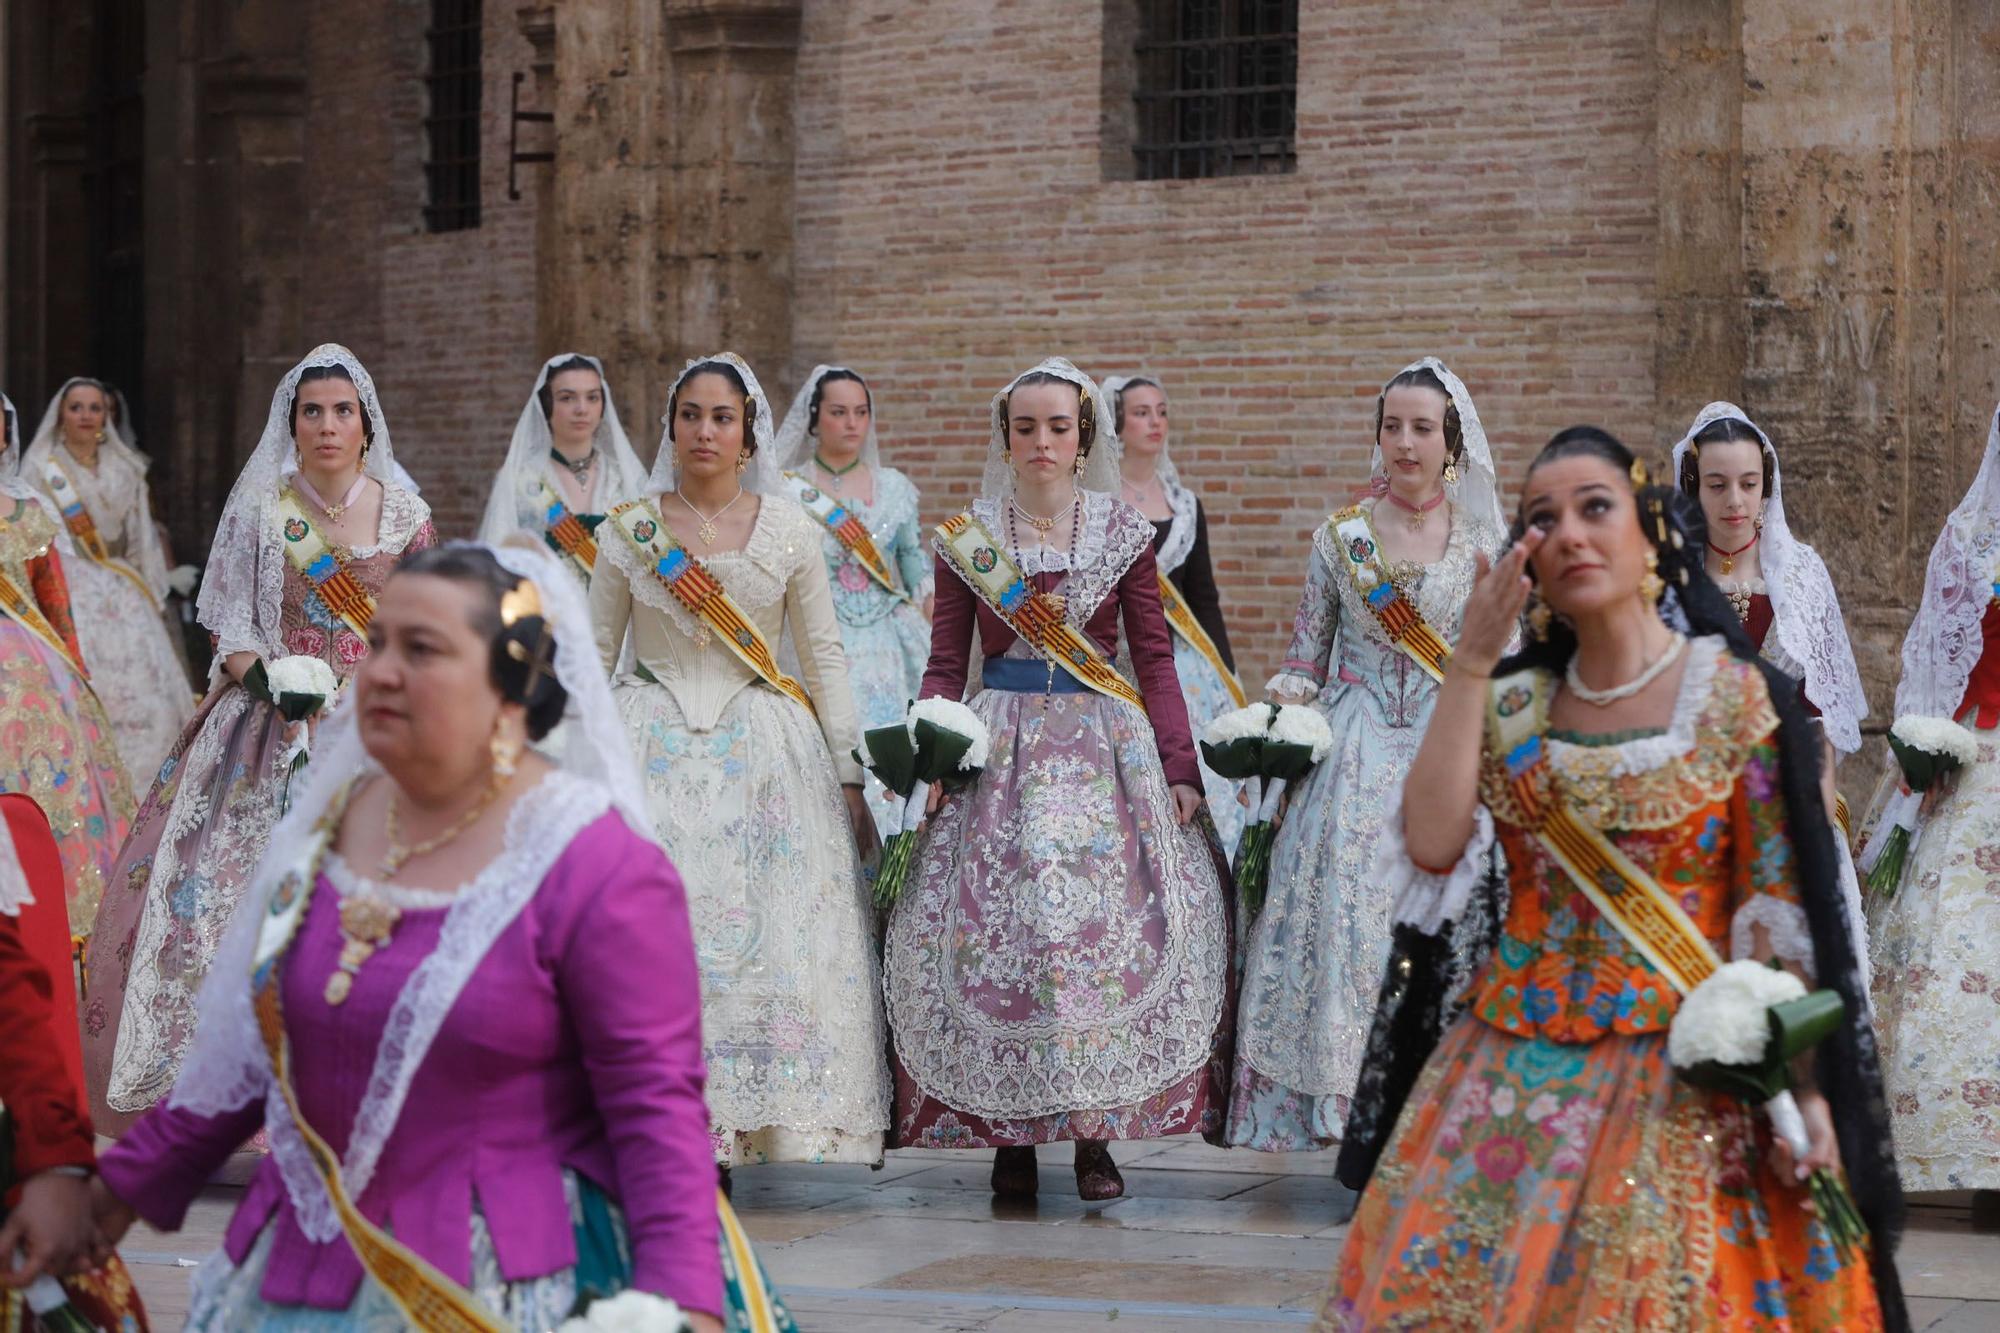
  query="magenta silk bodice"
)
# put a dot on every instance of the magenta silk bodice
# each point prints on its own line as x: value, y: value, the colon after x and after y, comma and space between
x: 576, y: 1043
x: 1136, y: 599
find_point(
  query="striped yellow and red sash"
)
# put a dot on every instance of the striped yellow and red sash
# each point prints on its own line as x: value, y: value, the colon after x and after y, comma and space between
x: 1181, y: 617
x: 1649, y: 917
x: 76, y: 517
x: 847, y: 529
x: 322, y: 566
x: 566, y: 530
x: 428, y: 1298
x: 1400, y: 620
x: 983, y: 563
x: 695, y: 588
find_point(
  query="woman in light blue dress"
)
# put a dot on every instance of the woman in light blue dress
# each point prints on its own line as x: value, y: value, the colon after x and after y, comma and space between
x: 882, y: 582
x: 1314, y: 956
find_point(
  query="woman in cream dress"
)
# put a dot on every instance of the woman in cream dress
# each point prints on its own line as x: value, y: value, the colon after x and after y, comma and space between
x: 94, y: 483
x: 750, y: 776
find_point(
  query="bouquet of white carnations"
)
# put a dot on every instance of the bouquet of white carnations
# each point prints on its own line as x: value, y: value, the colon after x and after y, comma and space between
x: 627, y: 1312
x: 939, y: 741
x: 300, y: 688
x: 1926, y: 748
x: 1737, y: 1032
x: 1269, y: 746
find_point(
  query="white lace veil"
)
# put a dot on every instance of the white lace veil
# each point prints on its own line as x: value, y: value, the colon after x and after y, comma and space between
x: 1805, y: 609
x: 515, y: 503
x: 1100, y: 470
x: 242, y: 591
x: 1945, y: 641
x: 1477, y: 491
x: 763, y: 475
x: 226, y: 1067
x: 142, y: 539
x: 796, y: 443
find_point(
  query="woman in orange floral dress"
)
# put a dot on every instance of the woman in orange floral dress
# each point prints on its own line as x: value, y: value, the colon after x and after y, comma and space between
x: 1549, y: 1170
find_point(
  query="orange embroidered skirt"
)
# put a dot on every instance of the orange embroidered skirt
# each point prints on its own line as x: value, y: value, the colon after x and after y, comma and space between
x: 1534, y: 1184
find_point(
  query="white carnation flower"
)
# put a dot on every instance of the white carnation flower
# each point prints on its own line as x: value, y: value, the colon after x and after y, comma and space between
x: 1239, y: 724
x: 1724, y: 1019
x: 1299, y: 724
x: 953, y: 716
x: 301, y: 675
x: 1937, y: 735
x: 628, y: 1312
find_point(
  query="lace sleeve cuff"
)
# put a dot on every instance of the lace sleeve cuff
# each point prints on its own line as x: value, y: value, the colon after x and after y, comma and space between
x: 1784, y: 924
x: 1423, y: 898
x: 1293, y: 686
x: 926, y: 589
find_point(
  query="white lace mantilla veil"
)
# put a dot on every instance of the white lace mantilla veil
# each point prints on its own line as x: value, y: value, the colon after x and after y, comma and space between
x: 1805, y: 609
x: 1477, y: 491
x: 1945, y: 642
x: 796, y: 443
x: 142, y: 540
x: 1179, y: 541
x: 242, y: 590
x: 1100, y: 470
x: 763, y: 475
x: 227, y: 1067
x: 620, y: 475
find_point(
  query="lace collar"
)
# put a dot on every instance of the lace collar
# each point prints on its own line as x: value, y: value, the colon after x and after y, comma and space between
x: 1112, y: 536
x: 1646, y: 753
x: 1174, y: 547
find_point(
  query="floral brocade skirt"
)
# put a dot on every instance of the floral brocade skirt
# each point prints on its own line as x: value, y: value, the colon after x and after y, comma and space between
x: 1057, y: 967
x: 1937, y: 980
x: 57, y: 747
x: 198, y: 836
x: 227, y: 1296
x: 751, y: 815
x: 1535, y: 1185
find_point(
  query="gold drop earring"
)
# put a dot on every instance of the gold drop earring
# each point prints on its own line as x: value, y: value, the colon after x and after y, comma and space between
x: 1651, y: 586
x: 506, y: 752
x: 742, y: 461
x: 1451, y: 472
x: 1538, y: 619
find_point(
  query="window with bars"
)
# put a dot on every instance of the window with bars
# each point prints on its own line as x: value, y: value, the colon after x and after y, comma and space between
x: 451, y: 166
x: 1216, y: 92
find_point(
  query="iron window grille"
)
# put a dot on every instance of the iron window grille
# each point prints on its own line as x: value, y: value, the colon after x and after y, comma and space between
x: 451, y: 167
x: 1217, y: 89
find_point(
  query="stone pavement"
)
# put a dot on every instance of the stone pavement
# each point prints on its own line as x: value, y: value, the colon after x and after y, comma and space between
x: 1204, y: 1240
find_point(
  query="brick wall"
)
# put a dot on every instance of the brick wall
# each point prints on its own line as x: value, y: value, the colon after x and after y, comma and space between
x: 444, y: 322
x: 1475, y: 182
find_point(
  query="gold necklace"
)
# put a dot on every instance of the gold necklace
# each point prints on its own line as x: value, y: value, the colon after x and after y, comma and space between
x: 397, y: 855
x: 707, y: 530
x: 365, y: 926
x: 1040, y: 524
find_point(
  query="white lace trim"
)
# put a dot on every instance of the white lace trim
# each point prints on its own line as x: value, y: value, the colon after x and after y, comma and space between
x: 1445, y: 584
x: 1112, y: 537
x: 351, y: 883
x: 1295, y: 686
x: 1428, y: 901
x: 1649, y: 753
x: 1784, y: 924
x: 540, y: 828
x: 1181, y: 532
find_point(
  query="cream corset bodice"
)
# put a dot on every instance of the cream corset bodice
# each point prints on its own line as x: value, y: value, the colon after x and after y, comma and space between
x: 779, y: 583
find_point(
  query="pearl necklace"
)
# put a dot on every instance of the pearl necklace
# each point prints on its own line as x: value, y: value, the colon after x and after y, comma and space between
x: 1606, y: 697
x: 1040, y: 524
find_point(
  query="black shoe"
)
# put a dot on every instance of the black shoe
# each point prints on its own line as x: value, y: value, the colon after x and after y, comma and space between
x: 1097, y: 1178
x: 1015, y: 1173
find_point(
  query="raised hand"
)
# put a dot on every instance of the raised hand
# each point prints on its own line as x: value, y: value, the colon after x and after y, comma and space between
x: 1494, y: 609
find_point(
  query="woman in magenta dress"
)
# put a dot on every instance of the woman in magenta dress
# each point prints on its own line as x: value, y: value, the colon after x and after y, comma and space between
x: 1057, y: 966
x: 486, y: 984
x: 323, y: 480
